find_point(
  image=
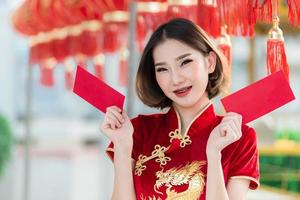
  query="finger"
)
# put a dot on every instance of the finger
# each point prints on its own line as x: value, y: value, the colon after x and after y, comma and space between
x: 230, y: 135
x: 232, y: 125
x: 224, y: 129
x: 125, y: 115
x: 234, y: 119
x: 115, y: 108
x: 112, y: 121
x: 239, y: 117
x: 116, y: 113
x: 235, y: 131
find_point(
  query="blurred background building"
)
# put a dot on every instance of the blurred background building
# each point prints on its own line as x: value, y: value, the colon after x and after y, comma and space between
x: 66, y: 159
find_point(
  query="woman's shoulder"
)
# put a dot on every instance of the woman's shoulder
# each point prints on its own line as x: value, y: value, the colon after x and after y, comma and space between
x: 148, y: 119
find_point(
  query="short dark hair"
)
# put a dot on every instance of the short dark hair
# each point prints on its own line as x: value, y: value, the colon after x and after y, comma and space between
x: 190, y: 34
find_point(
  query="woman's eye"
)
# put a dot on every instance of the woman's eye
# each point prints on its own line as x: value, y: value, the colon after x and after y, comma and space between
x: 186, y: 62
x: 161, y: 69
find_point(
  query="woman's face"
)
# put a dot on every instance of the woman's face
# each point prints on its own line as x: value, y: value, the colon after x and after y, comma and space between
x: 182, y: 72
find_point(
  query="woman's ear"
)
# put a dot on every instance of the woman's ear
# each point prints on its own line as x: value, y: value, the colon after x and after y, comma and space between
x: 212, y: 60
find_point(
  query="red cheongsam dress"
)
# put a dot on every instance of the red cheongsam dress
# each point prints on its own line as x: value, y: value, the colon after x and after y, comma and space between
x: 173, y: 165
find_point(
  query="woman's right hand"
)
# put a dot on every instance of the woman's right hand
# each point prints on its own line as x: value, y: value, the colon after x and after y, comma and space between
x: 118, y: 128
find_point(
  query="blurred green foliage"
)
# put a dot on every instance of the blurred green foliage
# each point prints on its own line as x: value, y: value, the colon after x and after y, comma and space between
x: 281, y: 172
x: 6, y: 141
x: 289, y: 134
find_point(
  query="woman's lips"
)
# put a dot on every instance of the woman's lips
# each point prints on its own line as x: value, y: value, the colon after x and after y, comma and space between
x: 182, y: 91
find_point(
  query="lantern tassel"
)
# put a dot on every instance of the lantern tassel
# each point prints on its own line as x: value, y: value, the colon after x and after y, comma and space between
x: 209, y: 18
x: 99, y: 66
x: 224, y: 44
x: 276, y: 56
x: 123, y: 67
x: 46, y: 76
x: 69, y: 77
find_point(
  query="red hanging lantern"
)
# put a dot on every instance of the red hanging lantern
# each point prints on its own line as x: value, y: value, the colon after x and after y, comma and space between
x: 276, y: 56
x: 115, y: 31
x: 41, y: 48
x: 115, y: 26
x: 91, y: 38
x: 153, y: 12
x: 150, y: 15
x: 22, y: 20
x: 183, y: 9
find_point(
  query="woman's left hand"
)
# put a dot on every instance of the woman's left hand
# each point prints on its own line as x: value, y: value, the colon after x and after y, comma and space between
x: 227, y: 132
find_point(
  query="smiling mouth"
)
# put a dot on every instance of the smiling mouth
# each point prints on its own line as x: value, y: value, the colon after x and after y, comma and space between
x: 182, y: 90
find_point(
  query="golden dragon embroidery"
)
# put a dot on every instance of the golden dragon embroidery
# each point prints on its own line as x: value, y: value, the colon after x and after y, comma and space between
x: 189, y: 174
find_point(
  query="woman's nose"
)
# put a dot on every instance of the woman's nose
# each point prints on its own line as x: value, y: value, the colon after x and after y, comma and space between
x: 177, y: 77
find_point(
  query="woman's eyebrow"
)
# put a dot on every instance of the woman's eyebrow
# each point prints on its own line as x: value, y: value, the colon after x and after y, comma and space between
x: 182, y: 56
x: 159, y: 63
x: 178, y: 58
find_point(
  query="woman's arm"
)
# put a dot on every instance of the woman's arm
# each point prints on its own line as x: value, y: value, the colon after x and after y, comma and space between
x: 123, y: 181
x: 118, y: 128
x: 237, y: 188
x: 227, y: 132
x: 215, y: 185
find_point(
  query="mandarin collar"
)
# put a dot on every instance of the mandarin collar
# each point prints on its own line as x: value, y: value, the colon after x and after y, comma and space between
x: 202, y: 120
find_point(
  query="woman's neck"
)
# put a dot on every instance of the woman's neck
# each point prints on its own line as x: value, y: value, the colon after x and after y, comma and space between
x: 187, y: 114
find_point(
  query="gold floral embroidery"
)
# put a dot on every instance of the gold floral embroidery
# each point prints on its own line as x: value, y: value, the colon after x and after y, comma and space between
x: 159, y: 152
x: 139, y: 167
x: 184, y: 141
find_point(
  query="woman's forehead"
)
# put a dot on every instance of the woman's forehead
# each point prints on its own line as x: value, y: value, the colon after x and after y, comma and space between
x: 171, y: 49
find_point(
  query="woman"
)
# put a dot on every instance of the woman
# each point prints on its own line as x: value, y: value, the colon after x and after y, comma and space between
x: 189, y: 152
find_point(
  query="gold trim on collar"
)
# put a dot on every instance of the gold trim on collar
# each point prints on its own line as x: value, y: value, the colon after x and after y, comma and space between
x: 159, y: 151
x: 190, y: 124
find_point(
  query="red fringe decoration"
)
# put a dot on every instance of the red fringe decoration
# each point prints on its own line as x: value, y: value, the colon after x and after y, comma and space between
x: 209, y: 19
x: 265, y: 11
x: 294, y: 12
x: 115, y: 37
x: 239, y: 16
x: 89, y: 42
x: 179, y: 11
x: 276, y: 57
x: 60, y: 49
x: 99, y: 71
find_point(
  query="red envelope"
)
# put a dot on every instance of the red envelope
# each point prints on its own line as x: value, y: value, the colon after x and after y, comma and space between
x: 260, y: 97
x: 95, y: 91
